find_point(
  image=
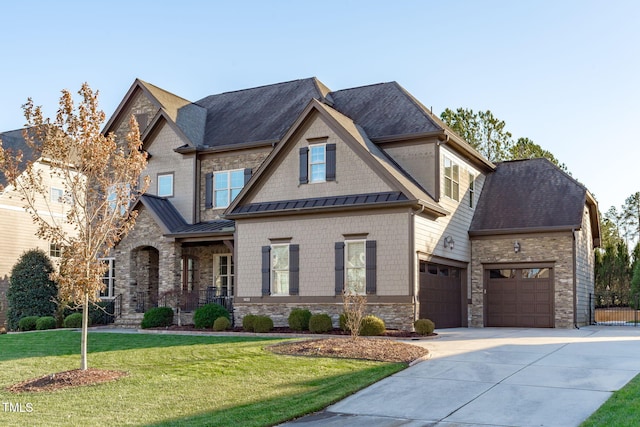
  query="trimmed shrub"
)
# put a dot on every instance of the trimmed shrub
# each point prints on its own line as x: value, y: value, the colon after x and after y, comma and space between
x: 262, y: 324
x: 424, y: 326
x: 342, y: 321
x: 247, y: 322
x: 221, y: 324
x: 46, y: 322
x: 31, y: 292
x: 74, y: 321
x: 157, y: 317
x: 28, y: 323
x: 320, y: 323
x: 299, y: 319
x: 3, y: 330
x: 372, y: 326
x: 204, y: 316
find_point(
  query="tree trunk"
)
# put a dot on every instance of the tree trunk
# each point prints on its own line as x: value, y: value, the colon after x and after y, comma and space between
x: 85, y: 327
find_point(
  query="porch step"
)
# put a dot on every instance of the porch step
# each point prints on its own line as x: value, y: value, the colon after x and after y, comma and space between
x: 129, y: 321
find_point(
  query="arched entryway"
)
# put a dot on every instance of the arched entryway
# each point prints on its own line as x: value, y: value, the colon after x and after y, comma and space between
x: 145, y: 276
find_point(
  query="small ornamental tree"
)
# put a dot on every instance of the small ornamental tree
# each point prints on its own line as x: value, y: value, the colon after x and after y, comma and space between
x: 31, y: 290
x: 100, y: 178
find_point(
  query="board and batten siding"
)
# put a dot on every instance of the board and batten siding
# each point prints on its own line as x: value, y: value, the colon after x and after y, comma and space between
x: 353, y: 175
x: 316, y: 236
x: 585, y: 265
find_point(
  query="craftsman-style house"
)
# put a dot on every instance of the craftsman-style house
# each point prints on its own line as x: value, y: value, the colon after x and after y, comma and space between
x: 283, y: 196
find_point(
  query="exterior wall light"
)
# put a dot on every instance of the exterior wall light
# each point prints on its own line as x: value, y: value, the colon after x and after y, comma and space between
x: 516, y: 247
x: 448, y: 242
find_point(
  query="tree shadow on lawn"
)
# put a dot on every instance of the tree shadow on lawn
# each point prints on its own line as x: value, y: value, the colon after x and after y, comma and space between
x: 267, y: 412
x: 67, y: 342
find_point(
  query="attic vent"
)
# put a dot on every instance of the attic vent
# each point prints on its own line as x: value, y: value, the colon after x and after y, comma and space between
x: 143, y: 120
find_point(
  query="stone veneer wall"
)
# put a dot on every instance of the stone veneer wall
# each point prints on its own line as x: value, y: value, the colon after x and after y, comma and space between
x: 548, y: 248
x: 395, y: 316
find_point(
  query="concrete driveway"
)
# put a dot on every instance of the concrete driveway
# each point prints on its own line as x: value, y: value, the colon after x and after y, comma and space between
x: 497, y: 377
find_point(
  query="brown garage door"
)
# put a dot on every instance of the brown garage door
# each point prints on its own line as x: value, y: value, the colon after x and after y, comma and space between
x: 441, y: 295
x: 519, y: 297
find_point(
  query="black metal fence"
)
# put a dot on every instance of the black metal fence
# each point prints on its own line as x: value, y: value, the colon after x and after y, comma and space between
x: 188, y: 301
x: 614, y: 308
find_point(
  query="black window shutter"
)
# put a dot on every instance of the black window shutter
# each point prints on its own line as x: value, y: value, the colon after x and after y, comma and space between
x: 339, y: 267
x: 208, y: 190
x: 304, y: 165
x: 371, y: 267
x: 247, y: 175
x: 331, y: 162
x: 266, y: 270
x: 294, y: 269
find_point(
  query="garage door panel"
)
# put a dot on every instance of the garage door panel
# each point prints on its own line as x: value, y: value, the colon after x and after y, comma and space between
x: 441, y: 295
x: 519, y: 297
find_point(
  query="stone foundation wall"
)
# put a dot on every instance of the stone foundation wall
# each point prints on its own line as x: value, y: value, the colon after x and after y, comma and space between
x: 395, y: 316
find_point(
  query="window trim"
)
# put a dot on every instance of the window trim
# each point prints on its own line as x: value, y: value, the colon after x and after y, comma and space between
x: 453, y: 182
x: 363, y: 268
x: 59, y: 191
x: 312, y: 163
x: 230, y: 276
x: 272, y: 269
x: 472, y: 190
x: 165, y: 175
x: 228, y: 189
x: 55, y: 251
x: 110, y: 276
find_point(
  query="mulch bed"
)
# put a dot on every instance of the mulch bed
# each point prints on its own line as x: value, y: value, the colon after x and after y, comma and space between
x: 61, y: 380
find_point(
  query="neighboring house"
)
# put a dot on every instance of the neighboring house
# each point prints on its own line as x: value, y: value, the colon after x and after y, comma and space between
x: 17, y: 228
x: 282, y: 196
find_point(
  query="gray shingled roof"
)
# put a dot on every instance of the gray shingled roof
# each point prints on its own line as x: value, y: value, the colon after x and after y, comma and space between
x: 259, y: 114
x: 176, y: 226
x: 383, y: 109
x: 321, y: 202
x: 528, y: 194
x: 14, y: 141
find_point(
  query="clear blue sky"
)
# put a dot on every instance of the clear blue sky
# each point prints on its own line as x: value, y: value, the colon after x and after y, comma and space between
x: 562, y: 73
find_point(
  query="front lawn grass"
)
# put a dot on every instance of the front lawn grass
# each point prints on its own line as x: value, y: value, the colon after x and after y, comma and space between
x: 620, y: 410
x: 174, y: 380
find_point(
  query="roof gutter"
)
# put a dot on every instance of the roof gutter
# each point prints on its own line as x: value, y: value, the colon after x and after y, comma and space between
x: 522, y: 230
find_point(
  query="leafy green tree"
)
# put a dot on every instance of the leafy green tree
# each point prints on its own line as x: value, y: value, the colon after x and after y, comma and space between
x: 482, y: 130
x: 524, y: 148
x: 31, y: 291
x: 631, y: 215
x: 635, y: 281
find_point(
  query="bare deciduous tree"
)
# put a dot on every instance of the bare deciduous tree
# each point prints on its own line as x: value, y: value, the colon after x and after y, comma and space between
x: 101, y: 178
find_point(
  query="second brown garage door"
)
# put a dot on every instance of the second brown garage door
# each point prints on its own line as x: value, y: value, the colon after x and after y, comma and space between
x: 519, y: 297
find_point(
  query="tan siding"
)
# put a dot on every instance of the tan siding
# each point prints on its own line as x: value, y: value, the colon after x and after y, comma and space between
x: 316, y: 236
x: 418, y: 159
x: 353, y: 175
x: 165, y: 160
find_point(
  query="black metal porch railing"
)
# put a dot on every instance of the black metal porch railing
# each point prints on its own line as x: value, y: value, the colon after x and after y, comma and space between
x: 190, y: 301
x: 141, y: 302
x: 614, y: 308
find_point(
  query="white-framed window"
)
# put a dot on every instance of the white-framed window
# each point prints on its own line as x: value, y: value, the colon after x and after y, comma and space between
x: 226, y: 186
x: 472, y: 190
x: 165, y: 185
x: 355, y: 266
x: 318, y: 163
x: 57, y: 195
x: 109, y: 278
x: 223, y: 275
x: 451, y: 179
x: 280, y: 269
x: 55, y: 251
